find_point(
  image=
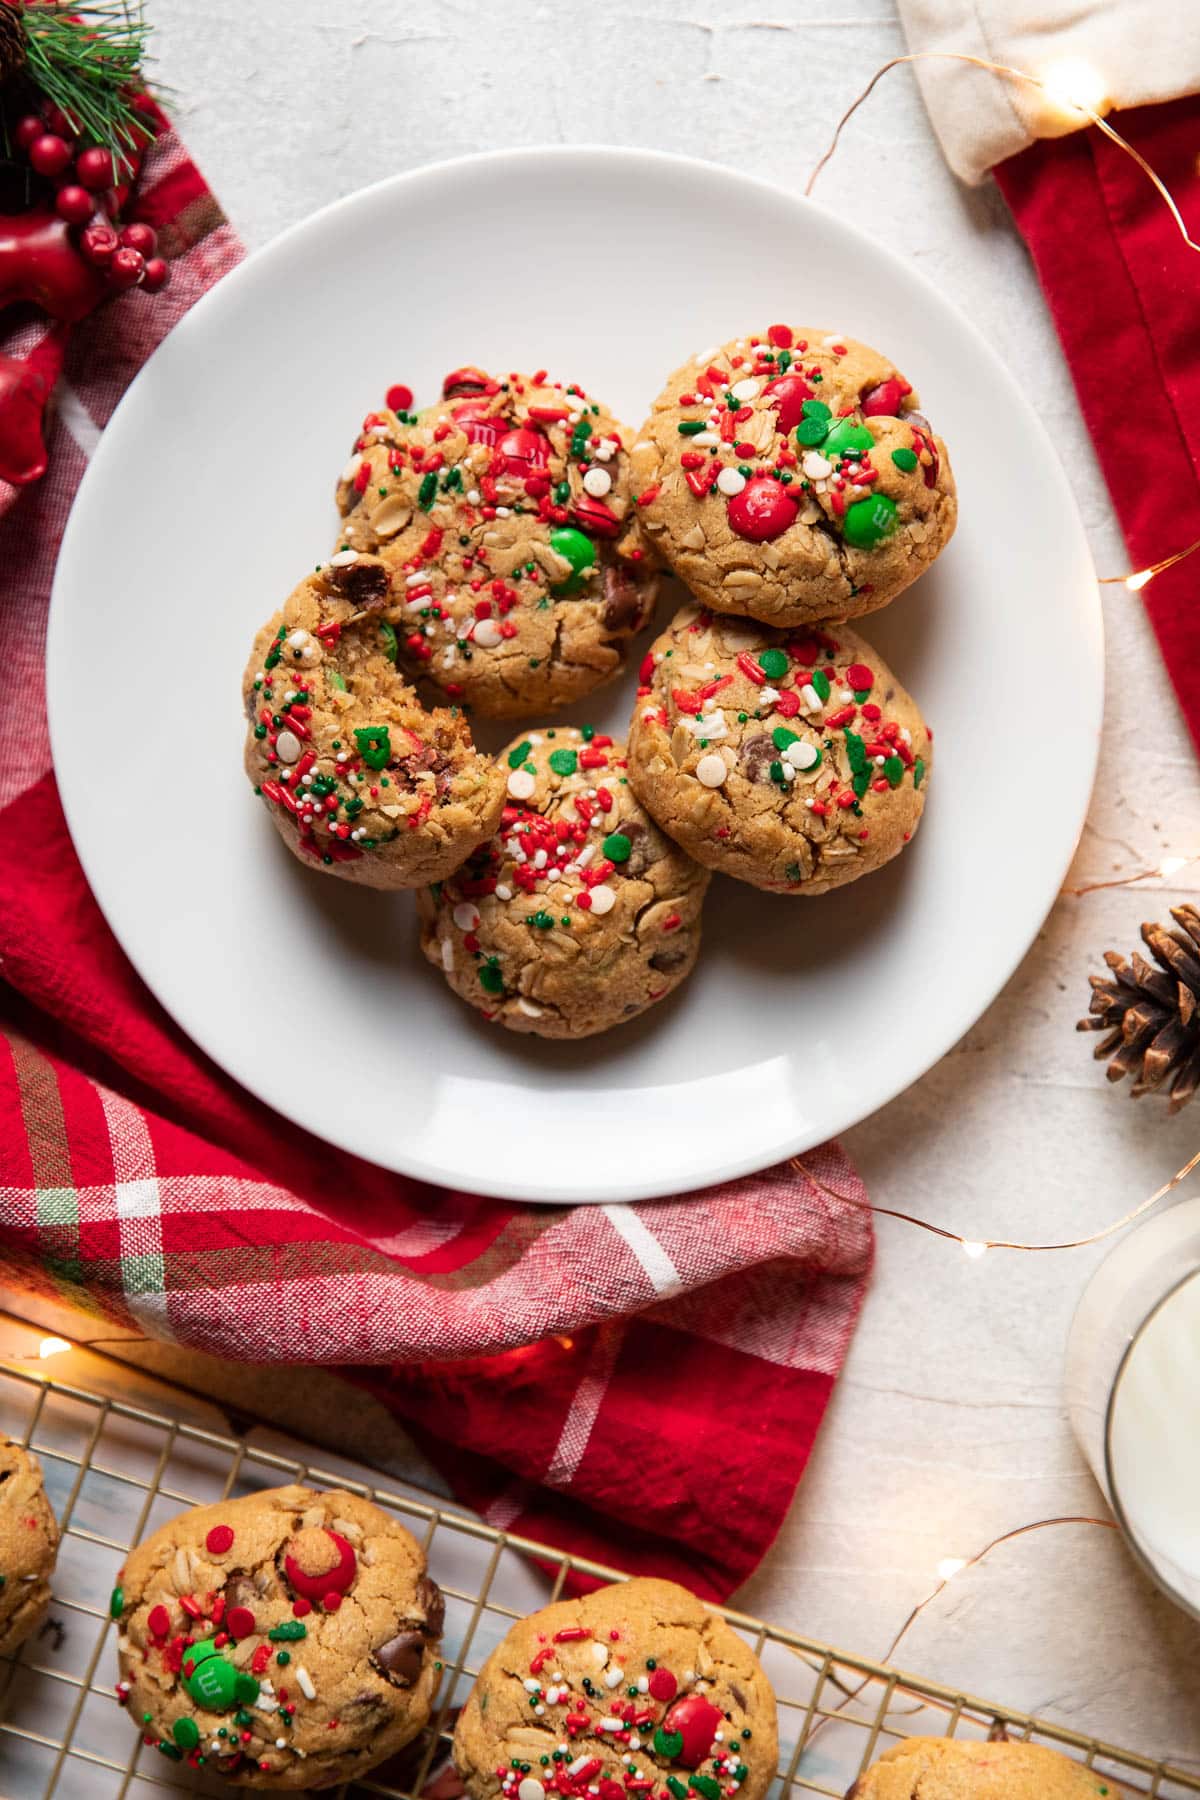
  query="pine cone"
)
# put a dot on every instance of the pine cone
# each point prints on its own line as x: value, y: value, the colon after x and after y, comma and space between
x: 1152, y: 1015
x: 12, y: 43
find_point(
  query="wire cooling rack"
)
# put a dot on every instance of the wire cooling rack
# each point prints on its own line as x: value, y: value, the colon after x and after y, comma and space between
x: 115, y: 1472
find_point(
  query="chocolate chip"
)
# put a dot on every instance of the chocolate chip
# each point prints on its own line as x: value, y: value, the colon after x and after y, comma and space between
x: 624, y: 599
x: 364, y: 583
x: 734, y: 1689
x: 400, y: 1658
x: 365, y: 1702
x: 239, y: 1590
x: 756, y: 756
x: 664, y: 961
x: 433, y: 1604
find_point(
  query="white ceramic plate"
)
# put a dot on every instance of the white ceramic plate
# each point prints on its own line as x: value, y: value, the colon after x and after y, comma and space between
x: 210, y: 495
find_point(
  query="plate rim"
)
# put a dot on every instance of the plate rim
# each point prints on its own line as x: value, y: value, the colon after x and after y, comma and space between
x: 762, y: 1155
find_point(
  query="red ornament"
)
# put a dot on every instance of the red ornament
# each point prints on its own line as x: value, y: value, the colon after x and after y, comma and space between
x: 126, y: 268
x: 399, y: 397
x: 697, y: 1722
x: 94, y: 168
x: 50, y: 154
x: 317, y: 1585
x: 787, y: 394
x: 524, y: 451
x: 883, y: 401
x: 139, y: 237
x: 74, y: 204
x: 764, y: 509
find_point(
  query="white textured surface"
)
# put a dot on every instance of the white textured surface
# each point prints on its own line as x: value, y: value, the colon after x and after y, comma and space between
x: 948, y: 1426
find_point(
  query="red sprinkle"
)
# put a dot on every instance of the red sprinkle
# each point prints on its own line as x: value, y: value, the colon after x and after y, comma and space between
x: 399, y: 397
x: 751, y: 670
x: 572, y: 1634
x: 240, y: 1621
x: 159, y: 1622
x: 221, y: 1536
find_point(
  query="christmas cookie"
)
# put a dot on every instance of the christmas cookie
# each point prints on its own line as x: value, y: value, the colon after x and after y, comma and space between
x: 287, y: 1640
x: 28, y: 1545
x: 358, y: 778
x: 504, y: 513
x: 635, y: 1689
x: 789, y: 476
x: 793, y: 760
x: 958, y: 1769
x: 579, y: 913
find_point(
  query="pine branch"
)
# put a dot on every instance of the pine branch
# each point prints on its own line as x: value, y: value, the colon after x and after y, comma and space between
x: 87, y: 60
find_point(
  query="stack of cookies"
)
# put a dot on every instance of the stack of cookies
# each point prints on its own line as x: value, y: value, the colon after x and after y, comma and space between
x: 292, y: 1640
x: 497, y: 556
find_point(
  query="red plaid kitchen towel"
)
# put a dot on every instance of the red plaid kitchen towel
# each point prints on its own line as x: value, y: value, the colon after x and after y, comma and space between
x: 642, y: 1384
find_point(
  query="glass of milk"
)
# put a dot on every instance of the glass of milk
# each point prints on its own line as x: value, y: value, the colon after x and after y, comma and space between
x: 1133, y: 1390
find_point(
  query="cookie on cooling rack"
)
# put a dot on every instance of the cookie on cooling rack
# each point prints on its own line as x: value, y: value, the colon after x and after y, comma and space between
x: 28, y: 1545
x: 505, y: 513
x: 288, y: 1640
x: 790, y: 476
x: 640, y: 1682
x: 793, y: 760
x: 959, y: 1769
x: 358, y: 778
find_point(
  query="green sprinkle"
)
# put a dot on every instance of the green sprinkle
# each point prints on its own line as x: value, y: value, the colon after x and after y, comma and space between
x: 692, y: 427
x: 518, y: 753
x: 564, y: 762
x: 777, y: 775
x: 283, y: 1658
x: 290, y: 1631
x: 774, y: 664
x: 171, y: 1751
x: 893, y: 768
x: 676, y: 1786
x: 781, y: 737
x: 391, y: 646
x: 116, y: 1603
x: 427, y: 492
x: 186, y: 1733
x: 617, y: 847
x: 918, y: 771
x: 704, y: 1784
x: 907, y: 460
x: 820, y: 683
x: 374, y: 745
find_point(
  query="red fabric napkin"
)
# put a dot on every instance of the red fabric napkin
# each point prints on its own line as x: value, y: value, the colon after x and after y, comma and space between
x: 1125, y: 293
x: 642, y: 1384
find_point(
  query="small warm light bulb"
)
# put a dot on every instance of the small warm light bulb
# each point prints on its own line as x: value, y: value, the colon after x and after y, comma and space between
x: 1074, y: 85
x: 1171, y: 865
x: 973, y: 1249
x: 52, y: 1346
x: 1135, y: 583
x: 950, y: 1566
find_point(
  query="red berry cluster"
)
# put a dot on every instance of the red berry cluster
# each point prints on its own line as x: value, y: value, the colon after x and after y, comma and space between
x: 89, y: 197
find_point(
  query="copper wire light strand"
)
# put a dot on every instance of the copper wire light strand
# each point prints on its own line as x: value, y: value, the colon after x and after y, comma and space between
x: 979, y: 1245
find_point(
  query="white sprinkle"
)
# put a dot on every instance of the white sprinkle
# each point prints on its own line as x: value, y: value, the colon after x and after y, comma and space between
x: 531, y: 1789
x: 580, y: 1762
x: 351, y: 468
x: 748, y: 389
x: 768, y: 696
x: 812, y: 700
x: 304, y: 1682
x: 287, y: 747
x: 466, y: 917
x: 540, y: 860
x: 585, y: 856
x: 503, y: 891
x: 643, y: 1684
x: 448, y: 955
x: 702, y: 439
x: 711, y: 770
x: 816, y: 466
x: 487, y: 634
x: 801, y: 755
x: 706, y: 356
x: 603, y: 901
x: 343, y: 558
x: 610, y: 1724
x: 597, y: 482
x: 731, y: 481
x: 613, y: 1677
x: 281, y: 1743
x: 473, y: 496
x: 521, y: 783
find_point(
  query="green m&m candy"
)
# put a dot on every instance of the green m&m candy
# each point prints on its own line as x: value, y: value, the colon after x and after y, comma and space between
x: 847, y: 439
x: 186, y: 1733
x: 578, y: 550
x: 213, y: 1681
x: 869, y: 522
